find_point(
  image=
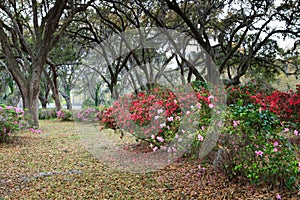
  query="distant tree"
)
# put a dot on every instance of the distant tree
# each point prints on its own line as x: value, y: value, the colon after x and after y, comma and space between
x: 238, y: 35
x: 28, y: 30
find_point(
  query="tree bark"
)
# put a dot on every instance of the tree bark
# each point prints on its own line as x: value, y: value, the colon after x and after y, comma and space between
x: 68, y: 100
x: 53, y: 84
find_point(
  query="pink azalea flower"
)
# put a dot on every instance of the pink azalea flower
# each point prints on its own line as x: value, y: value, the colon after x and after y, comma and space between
x: 275, y: 144
x: 296, y: 132
x: 259, y: 153
x: 155, y: 149
x: 200, y: 137
x: 162, y: 125
x: 286, y: 130
x: 160, y: 111
x: 211, y: 105
x: 160, y: 139
x: 210, y: 97
x: 170, y: 119
x: 236, y: 123
x: 275, y: 149
x: 219, y: 124
x: 198, y: 105
x: 278, y: 196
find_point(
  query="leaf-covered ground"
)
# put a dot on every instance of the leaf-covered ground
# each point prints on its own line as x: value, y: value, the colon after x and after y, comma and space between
x: 55, y: 165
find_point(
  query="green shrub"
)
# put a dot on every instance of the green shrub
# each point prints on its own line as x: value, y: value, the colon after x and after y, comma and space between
x: 87, y: 103
x: 48, y: 113
x: 254, y: 145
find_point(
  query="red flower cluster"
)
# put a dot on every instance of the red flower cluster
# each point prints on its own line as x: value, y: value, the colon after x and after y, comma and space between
x: 152, y: 112
x: 286, y: 105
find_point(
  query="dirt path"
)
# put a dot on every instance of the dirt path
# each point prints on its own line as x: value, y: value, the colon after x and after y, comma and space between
x: 57, y: 165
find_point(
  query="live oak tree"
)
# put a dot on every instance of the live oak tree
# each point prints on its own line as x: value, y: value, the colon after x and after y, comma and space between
x: 28, y: 31
x: 96, y: 26
x: 238, y: 35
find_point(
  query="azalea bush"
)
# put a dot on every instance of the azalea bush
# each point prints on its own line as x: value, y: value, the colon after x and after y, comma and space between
x: 156, y: 115
x: 64, y: 115
x: 254, y: 145
x: 286, y: 105
x: 11, y: 119
x: 88, y: 114
x: 241, y: 94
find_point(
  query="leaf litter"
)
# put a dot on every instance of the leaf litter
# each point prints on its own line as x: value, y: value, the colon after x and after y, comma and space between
x: 55, y: 165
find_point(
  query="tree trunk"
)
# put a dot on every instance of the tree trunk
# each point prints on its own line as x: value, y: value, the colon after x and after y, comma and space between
x: 68, y: 100
x: 97, y: 93
x: 44, y: 103
x: 44, y: 97
x: 31, y: 106
x: 30, y: 94
x: 53, y: 85
x: 55, y: 92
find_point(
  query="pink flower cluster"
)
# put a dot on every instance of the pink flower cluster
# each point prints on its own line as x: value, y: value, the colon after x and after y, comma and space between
x: 37, y: 131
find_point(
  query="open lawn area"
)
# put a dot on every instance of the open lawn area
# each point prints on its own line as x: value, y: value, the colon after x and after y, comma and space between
x: 55, y: 165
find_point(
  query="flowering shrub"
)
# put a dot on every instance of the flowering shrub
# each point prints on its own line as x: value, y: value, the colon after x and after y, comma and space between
x: 10, y: 121
x: 252, y: 146
x: 155, y: 116
x: 64, y: 114
x: 241, y: 94
x: 286, y: 105
x: 87, y: 115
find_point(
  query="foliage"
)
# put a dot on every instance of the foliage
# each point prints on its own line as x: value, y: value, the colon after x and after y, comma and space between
x: 64, y: 115
x: 47, y: 113
x: 254, y: 145
x: 87, y: 103
x: 10, y: 121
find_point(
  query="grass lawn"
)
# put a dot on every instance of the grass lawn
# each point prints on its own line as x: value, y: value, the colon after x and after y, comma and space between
x: 56, y: 165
